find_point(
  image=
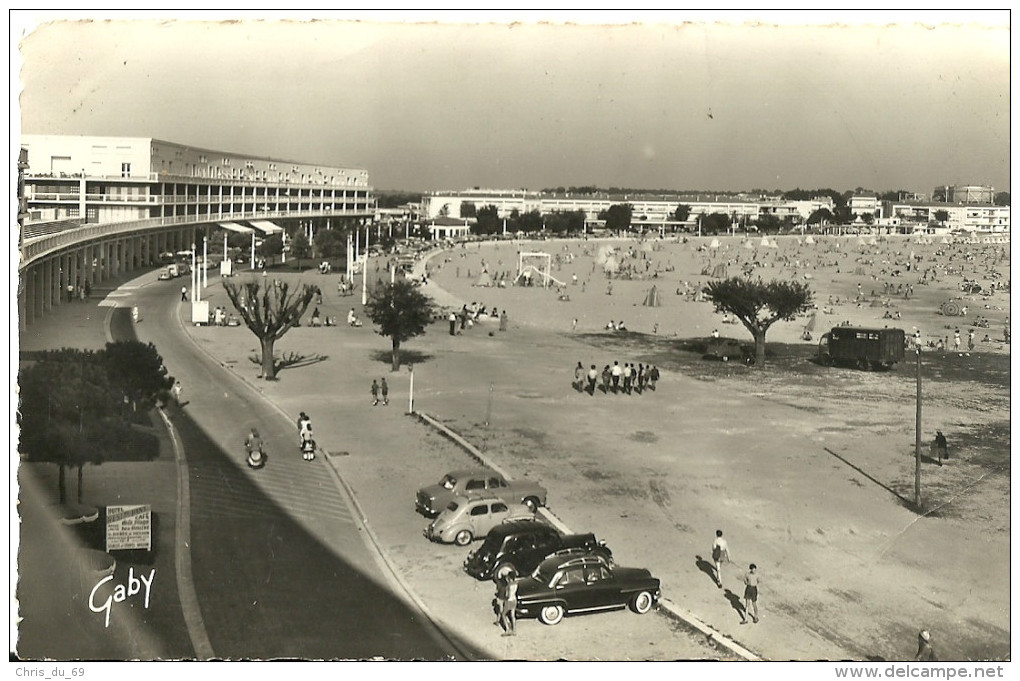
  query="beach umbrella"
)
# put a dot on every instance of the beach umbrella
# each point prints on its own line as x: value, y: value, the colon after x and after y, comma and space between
x: 809, y: 239
x: 714, y: 244
x: 610, y: 265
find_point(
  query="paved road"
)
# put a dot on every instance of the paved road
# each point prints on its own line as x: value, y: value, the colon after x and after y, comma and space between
x: 279, y: 563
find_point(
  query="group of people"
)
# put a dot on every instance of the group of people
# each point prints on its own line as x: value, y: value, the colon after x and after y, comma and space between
x: 80, y: 292
x: 220, y: 317
x: 616, y: 378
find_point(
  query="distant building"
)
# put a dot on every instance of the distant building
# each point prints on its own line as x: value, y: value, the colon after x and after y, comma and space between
x: 865, y: 203
x: 971, y: 193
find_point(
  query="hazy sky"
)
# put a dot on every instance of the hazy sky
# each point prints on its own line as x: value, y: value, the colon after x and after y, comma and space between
x: 702, y: 105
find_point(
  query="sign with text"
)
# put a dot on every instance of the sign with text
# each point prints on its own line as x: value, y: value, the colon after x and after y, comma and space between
x: 129, y: 527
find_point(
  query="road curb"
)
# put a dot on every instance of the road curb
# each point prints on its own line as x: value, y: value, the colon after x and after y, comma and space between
x: 667, y: 607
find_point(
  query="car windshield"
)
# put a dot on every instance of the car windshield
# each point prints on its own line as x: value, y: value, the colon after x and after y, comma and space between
x: 448, y: 482
x: 544, y: 576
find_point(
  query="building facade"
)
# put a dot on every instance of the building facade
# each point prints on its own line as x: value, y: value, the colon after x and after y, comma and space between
x: 118, y: 179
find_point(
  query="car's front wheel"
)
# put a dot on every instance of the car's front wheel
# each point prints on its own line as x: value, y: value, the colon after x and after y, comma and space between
x: 532, y: 504
x: 642, y: 602
x: 463, y: 538
x: 551, y: 614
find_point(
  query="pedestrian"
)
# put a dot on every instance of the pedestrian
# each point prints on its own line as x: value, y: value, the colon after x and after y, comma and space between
x: 606, y: 375
x: 941, y: 446
x: 177, y: 391
x: 579, y: 377
x: 508, y: 608
x: 593, y: 375
x: 715, y: 333
x: 302, y: 420
x: 653, y: 376
x: 720, y: 555
x: 750, y: 594
x: 307, y: 442
x: 617, y: 373
x: 375, y: 392
x: 970, y: 340
x: 628, y: 378
x: 385, y: 390
x: 184, y: 293
x: 573, y: 325
x: 925, y: 650
x: 503, y: 320
x: 956, y: 341
x: 641, y: 378
x: 453, y: 323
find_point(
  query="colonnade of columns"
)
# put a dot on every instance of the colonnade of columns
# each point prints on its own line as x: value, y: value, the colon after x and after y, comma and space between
x: 65, y: 275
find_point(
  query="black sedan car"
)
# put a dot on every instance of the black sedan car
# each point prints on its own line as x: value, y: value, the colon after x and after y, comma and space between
x: 517, y: 548
x: 571, y: 585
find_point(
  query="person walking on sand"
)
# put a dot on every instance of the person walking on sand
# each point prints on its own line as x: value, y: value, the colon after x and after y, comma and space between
x: 579, y: 376
x: 503, y: 320
x: 385, y: 391
x: 956, y: 341
x: 184, y: 293
x: 970, y: 341
x: 617, y: 373
x: 925, y: 649
x: 720, y: 555
x: 593, y: 375
x: 375, y: 392
x: 453, y: 323
x: 941, y: 446
x: 751, y: 594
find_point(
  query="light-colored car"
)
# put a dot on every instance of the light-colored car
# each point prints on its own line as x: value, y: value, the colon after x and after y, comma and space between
x: 476, y: 481
x: 467, y: 518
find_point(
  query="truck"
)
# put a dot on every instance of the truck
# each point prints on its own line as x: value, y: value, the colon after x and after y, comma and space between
x: 864, y: 348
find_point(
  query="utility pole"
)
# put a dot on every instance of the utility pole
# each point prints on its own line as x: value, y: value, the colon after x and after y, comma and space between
x: 917, y: 437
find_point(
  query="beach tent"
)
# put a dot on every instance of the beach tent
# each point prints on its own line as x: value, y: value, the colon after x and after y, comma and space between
x: 764, y: 241
x: 610, y: 265
x: 652, y: 299
x: 484, y: 279
x: 873, y: 241
x: 603, y: 254
x: 809, y: 240
x: 945, y: 239
x: 719, y: 271
x: 714, y: 244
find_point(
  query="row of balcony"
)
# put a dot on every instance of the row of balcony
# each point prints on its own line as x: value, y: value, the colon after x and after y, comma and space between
x: 33, y: 248
x: 172, y: 178
x: 187, y: 198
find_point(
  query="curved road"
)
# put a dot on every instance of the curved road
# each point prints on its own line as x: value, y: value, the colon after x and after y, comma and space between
x: 279, y: 564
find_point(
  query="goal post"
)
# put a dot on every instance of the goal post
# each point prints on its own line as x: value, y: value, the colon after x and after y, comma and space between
x: 526, y: 262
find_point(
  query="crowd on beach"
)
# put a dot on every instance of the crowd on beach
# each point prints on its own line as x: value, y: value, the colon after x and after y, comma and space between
x: 625, y: 379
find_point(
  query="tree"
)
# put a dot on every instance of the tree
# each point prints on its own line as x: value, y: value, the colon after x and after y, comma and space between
x: 941, y: 215
x: 682, y: 212
x: 715, y: 223
x: 330, y: 243
x: 486, y: 220
x: 869, y: 218
x: 300, y: 248
x: 269, y: 312
x: 768, y: 223
x: 819, y: 216
x: 467, y: 209
x: 618, y: 216
x: 1002, y: 199
x: 759, y: 305
x: 401, y: 311
x: 137, y: 370
x: 270, y: 246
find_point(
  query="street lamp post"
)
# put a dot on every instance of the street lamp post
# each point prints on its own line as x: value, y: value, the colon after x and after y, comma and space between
x: 917, y: 437
x: 410, y: 390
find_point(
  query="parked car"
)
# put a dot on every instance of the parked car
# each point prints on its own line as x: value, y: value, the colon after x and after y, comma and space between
x: 517, y: 548
x: 863, y: 348
x: 432, y: 499
x: 563, y: 585
x: 466, y: 518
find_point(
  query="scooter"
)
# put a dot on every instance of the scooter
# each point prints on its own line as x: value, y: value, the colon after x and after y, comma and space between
x: 256, y: 455
x: 308, y: 449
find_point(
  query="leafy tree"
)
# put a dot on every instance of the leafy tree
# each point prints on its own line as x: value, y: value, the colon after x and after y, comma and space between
x: 618, y: 216
x: 137, y: 369
x: 300, y: 248
x: 759, y: 305
x: 467, y: 209
x: 238, y: 240
x: 819, y: 216
x: 869, y: 218
x: 682, y: 212
x: 565, y: 222
x: 1002, y: 199
x: 330, y: 243
x: 487, y: 220
x: 530, y: 221
x: 269, y: 312
x: 270, y: 246
x: 715, y: 223
x: 401, y: 311
x: 768, y: 223
x: 941, y: 216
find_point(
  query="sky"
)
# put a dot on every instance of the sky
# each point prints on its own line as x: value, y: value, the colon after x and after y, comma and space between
x: 681, y: 101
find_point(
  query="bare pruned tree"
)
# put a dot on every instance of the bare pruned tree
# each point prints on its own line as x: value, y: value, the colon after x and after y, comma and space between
x: 269, y: 311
